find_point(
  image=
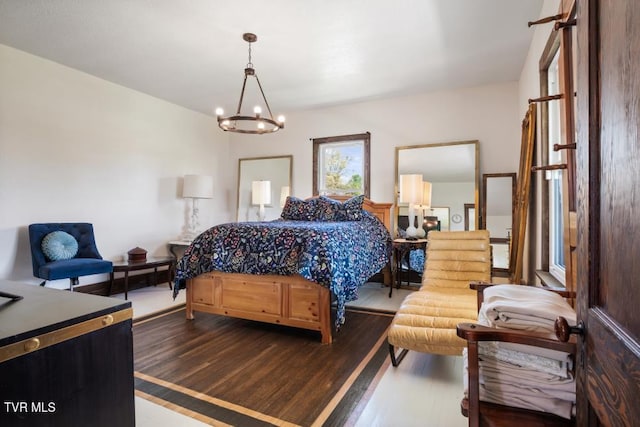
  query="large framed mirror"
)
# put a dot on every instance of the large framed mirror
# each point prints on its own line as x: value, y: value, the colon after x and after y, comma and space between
x: 497, y: 207
x: 277, y: 172
x: 453, y: 170
x: 523, y: 194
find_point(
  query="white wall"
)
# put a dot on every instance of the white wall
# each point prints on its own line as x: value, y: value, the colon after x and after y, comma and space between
x: 488, y: 113
x: 75, y: 148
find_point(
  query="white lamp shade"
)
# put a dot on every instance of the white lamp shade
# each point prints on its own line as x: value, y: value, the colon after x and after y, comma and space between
x: 426, y: 195
x: 260, y: 192
x: 197, y: 187
x: 284, y: 193
x: 411, y: 188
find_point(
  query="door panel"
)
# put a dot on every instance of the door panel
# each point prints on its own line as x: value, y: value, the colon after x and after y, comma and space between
x: 608, y: 173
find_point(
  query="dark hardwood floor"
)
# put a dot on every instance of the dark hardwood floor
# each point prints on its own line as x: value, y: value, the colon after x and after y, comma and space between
x: 272, y: 371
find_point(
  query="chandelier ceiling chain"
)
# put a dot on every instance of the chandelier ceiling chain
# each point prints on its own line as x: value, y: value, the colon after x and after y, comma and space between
x: 256, y: 124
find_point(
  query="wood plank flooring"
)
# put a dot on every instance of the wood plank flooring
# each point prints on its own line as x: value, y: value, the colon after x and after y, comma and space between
x: 275, y: 371
x: 424, y: 391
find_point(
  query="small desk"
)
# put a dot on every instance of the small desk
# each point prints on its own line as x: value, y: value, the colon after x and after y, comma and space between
x: 401, y: 248
x: 152, y: 262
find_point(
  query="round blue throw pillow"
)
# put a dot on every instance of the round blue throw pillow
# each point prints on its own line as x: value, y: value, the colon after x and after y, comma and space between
x: 59, y: 245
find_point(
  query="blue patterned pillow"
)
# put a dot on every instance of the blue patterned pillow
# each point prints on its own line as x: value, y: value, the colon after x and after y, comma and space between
x: 351, y: 210
x: 298, y: 210
x: 59, y: 245
x: 323, y: 209
x: 327, y: 209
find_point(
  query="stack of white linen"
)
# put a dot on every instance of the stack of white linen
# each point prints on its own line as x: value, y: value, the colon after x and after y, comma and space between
x: 518, y: 375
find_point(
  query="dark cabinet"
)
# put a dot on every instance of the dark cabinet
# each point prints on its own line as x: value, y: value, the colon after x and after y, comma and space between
x: 66, y: 359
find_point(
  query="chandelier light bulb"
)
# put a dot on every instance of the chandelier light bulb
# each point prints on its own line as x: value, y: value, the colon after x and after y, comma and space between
x: 257, y: 110
x: 260, y: 125
x: 219, y: 111
x: 281, y: 118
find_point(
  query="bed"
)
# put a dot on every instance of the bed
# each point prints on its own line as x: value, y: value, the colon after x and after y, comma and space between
x: 288, y: 271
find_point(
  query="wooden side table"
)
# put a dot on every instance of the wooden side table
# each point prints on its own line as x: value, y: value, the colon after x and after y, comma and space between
x: 401, y: 247
x: 151, y: 263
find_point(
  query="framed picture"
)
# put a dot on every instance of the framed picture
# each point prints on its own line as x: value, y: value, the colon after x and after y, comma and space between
x: 341, y: 165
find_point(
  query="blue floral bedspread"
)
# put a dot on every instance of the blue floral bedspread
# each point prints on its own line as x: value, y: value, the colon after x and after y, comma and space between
x: 339, y: 255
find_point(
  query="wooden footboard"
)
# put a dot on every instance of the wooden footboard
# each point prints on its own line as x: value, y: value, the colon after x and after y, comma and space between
x: 284, y: 300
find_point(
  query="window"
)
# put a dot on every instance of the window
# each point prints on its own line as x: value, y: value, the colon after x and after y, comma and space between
x: 554, y: 177
x: 341, y: 165
x: 558, y: 192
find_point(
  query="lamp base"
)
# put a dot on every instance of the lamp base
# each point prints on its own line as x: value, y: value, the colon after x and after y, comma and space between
x: 411, y: 231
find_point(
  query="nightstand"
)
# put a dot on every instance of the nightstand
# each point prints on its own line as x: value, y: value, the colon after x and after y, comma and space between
x: 182, y: 244
x: 401, y: 247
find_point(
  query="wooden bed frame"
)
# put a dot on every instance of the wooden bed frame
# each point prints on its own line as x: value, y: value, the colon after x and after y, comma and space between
x: 284, y: 300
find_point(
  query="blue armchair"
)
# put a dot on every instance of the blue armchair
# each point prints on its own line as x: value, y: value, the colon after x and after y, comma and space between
x: 71, y: 264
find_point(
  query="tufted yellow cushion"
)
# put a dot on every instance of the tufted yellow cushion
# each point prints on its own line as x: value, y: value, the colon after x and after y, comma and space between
x: 427, y: 318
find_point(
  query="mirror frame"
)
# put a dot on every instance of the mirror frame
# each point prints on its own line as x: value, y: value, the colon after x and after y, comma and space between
x: 498, y: 271
x: 396, y: 188
x: 523, y: 194
x: 254, y: 159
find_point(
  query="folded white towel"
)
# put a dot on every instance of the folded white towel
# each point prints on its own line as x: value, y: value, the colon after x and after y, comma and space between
x: 493, y: 351
x: 524, y: 308
x: 539, y: 351
x: 499, y: 370
x: 500, y: 386
x: 562, y: 408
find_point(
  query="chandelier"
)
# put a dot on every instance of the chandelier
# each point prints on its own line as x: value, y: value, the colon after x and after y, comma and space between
x: 256, y: 124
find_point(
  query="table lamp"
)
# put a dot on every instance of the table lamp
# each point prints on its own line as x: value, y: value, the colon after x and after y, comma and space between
x: 195, y: 187
x: 411, y: 190
x: 424, y: 204
x: 260, y: 196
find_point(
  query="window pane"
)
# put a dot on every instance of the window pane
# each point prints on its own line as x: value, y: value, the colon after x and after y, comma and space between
x: 554, y: 179
x: 342, y: 164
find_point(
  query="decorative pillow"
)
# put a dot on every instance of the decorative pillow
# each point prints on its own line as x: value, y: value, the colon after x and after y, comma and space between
x: 298, y: 210
x: 327, y: 209
x: 351, y: 210
x: 59, y: 245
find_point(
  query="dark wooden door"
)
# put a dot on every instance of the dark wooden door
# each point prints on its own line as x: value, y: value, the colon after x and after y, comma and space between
x: 608, y: 175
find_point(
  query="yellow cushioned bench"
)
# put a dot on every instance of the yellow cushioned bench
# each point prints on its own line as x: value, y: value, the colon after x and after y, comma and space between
x: 427, y: 319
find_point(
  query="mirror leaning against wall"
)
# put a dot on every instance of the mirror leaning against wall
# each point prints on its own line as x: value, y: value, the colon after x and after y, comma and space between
x: 263, y: 181
x: 452, y: 169
x: 497, y: 207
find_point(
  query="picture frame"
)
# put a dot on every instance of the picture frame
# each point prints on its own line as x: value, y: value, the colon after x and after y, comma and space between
x: 341, y: 165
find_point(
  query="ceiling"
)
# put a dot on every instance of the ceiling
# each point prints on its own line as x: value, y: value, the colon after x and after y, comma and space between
x: 309, y: 54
